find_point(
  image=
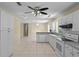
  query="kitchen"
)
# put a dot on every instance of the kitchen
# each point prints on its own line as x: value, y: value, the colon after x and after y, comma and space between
x: 64, y: 41
x: 35, y: 35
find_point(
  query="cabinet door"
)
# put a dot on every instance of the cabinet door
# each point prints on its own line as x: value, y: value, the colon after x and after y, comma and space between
x: 49, y: 40
x: 59, y: 21
x: 37, y: 37
x: 75, y: 52
x: 69, y: 18
x: 76, y: 21
x: 52, y: 42
x: 41, y: 38
x: 63, y: 21
x: 68, y: 51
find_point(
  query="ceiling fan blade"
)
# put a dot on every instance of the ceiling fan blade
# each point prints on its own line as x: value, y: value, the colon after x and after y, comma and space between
x: 27, y: 12
x: 42, y: 9
x: 43, y: 13
x: 30, y: 7
x: 19, y: 3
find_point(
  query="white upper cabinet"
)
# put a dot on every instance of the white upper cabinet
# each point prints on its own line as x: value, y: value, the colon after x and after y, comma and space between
x: 76, y: 21
x: 66, y: 19
x: 71, y: 18
x: 62, y: 21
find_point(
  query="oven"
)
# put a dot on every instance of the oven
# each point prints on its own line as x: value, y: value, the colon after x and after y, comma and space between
x: 59, y: 48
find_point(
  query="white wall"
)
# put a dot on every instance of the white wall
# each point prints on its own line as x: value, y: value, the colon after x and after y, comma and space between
x: 53, y: 25
x: 33, y: 28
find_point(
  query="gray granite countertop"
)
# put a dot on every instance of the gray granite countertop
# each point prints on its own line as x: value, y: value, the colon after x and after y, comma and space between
x: 73, y: 32
x: 43, y: 33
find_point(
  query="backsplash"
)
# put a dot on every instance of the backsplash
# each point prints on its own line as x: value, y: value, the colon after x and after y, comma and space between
x: 64, y: 31
x: 68, y: 31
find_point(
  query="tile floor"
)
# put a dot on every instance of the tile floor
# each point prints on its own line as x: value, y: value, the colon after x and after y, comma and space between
x: 29, y: 48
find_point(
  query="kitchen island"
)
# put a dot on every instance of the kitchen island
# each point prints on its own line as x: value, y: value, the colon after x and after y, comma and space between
x: 42, y: 36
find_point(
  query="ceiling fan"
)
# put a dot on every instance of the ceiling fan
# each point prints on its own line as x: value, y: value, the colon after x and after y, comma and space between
x: 36, y: 10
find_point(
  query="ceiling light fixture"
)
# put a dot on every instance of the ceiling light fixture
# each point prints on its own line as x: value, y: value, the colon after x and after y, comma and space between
x: 40, y: 14
x: 32, y: 12
x: 37, y: 24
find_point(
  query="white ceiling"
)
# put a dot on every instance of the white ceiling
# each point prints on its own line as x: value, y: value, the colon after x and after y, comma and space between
x: 54, y: 9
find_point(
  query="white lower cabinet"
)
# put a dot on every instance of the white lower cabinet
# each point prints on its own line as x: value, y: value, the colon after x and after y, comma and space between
x: 68, y: 51
x: 52, y: 41
x: 41, y: 38
x: 75, y: 52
